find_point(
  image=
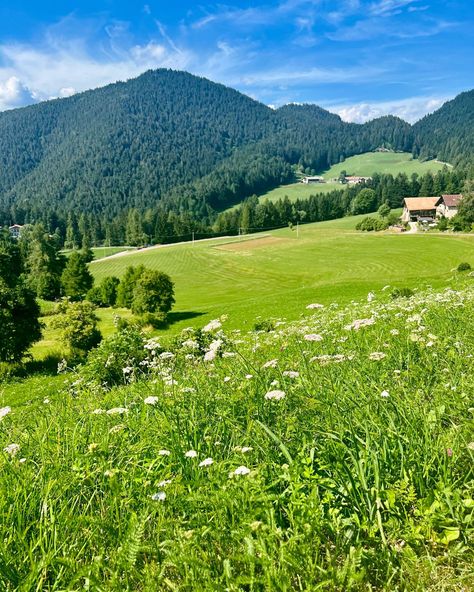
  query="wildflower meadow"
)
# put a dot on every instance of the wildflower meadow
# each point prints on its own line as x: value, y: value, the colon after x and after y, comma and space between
x: 330, y: 453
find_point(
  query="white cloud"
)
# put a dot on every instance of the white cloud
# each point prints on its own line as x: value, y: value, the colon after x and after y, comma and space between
x: 60, y: 70
x: 13, y: 93
x: 411, y: 109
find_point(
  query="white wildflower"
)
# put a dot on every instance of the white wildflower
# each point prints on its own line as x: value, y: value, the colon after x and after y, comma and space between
x: 127, y: 370
x: 249, y: 376
x: 151, y: 400
x: 160, y: 496
x: 370, y: 297
x: 166, y: 356
x: 12, y: 449
x: 314, y: 305
x: 291, y: 373
x: 394, y: 332
x: 270, y: 364
x: 212, y: 326
x: 242, y: 470
x: 210, y: 355
x: 4, y: 411
x: 190, y: 454
x: 385, y: 394
x: 164, y: 452
x: 376, y: 356
x: 117, y: 411
x: 359, y: 323
x: 164, y: 483
x: 275, y: 395
x: 98, y: 411
x: 190, y: 344
x: 313, y: 337
x: 206, y: 462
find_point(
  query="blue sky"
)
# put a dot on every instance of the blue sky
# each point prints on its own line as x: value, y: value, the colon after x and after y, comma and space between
x: 359, y: 58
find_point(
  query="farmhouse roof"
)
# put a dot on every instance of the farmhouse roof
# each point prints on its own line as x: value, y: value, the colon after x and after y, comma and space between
x: 452, y: 201
x: 421, y: 203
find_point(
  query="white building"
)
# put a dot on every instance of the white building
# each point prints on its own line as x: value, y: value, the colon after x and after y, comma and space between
x: 448, y: 205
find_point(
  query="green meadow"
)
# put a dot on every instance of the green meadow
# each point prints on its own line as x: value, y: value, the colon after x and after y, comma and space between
x: 273, y: 274
x: 334, y: 453
x: 364, y: 165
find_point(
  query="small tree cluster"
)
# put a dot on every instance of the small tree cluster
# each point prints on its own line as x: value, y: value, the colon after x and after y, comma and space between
x: 147, y: 293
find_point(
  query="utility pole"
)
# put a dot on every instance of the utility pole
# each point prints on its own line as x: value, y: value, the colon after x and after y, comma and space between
x: 193, y: 237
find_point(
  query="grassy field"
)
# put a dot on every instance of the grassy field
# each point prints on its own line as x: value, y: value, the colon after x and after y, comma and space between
x: 364, y: 165
x: 334, y: 454
x: 275, y: 273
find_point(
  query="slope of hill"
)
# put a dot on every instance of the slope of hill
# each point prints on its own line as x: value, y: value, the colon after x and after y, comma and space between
x: 334, y: 453
x: 189, y: 144
x: 383, y: 163
x: 448, y: 133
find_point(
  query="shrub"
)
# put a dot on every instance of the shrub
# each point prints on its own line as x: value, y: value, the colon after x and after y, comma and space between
x: 370, y: 223
x: 264, y: 325
x: 402, y: 293
x: 464, y: 266
x: 78, y: 325
x: 124, y: 349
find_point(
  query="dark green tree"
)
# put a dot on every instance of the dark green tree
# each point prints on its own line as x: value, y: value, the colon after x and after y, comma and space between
x: 19, y: 312
x: 76, y: 278
x: 127, y: 285
x: 364, y: 202
x: 153, y: 293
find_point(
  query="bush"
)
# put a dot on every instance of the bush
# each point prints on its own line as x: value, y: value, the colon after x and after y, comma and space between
x: 124, y: 349
x: 370, y: 223
x: 265, y: 325
x: 402, y: 293
x: 464, y: 267
x: 78, y: 325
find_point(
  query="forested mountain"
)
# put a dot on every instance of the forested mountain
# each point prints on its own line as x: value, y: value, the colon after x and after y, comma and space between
x: 172, y: 142
x: 447, y: 134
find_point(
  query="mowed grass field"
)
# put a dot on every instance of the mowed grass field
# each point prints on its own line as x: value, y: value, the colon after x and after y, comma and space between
x: 364, y: 165
x: 275, y: 274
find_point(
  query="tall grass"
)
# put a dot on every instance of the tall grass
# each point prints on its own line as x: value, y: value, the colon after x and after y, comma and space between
x: 359, y: 477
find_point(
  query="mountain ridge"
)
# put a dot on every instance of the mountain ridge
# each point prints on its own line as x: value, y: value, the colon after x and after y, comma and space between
x: 171, y: 137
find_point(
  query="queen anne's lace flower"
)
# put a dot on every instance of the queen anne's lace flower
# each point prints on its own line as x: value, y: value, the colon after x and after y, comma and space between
x: 275, y: 395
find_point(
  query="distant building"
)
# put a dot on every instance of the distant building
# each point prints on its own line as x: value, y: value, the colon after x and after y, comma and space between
x: 315, y: 179
x: 420, y: 209
x: 357, y: 180
x: 15, y: 230
x: 448, y: 205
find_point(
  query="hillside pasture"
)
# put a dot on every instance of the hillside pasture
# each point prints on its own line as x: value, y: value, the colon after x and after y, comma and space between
x: 361, y: 165
x: 272, y: 275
